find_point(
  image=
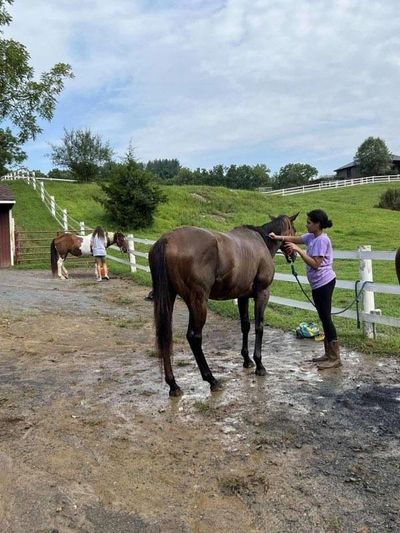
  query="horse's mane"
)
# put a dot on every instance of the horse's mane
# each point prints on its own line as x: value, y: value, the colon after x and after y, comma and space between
x: 274, y: 226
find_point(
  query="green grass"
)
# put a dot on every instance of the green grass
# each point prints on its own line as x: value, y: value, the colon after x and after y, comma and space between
x: 356, y: 222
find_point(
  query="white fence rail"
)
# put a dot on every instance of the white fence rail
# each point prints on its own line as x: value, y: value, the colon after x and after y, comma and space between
x: 368, y: 315
x: 329, y: 185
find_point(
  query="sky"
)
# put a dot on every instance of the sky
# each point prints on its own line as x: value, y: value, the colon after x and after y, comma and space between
x: 219, y: 81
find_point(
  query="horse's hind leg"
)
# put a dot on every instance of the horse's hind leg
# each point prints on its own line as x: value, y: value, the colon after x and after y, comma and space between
x: 65, y: 271
x: 243, y: 304
x: 197, y: 319
x: 260, y: 301
x: 60, y: 267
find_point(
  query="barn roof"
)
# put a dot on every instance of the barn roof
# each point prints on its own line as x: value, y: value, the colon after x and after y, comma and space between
x: 353, y: 164
x: 6, y: 195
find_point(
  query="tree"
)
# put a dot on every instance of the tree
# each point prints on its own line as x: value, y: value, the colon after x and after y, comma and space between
x: 23, y: 101
x: 132, y: 196
x: 294, y: 174
x: 373, y: 157
x: 165, y: 169
x: 83, y: 153
x: 10, y: 150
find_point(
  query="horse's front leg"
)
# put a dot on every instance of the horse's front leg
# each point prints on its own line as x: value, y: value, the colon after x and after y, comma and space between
x: 197, y: 319
x: 260, y: 302
x: 243, y: 304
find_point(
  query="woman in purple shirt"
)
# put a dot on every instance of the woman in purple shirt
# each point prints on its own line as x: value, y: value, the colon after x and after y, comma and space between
x: 318, y: 258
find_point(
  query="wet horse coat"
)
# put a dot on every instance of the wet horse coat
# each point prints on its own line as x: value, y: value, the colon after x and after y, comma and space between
x: 198, y: 264
x: 79, y: 246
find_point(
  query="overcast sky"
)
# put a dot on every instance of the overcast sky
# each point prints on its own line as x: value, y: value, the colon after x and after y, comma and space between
x: 212, y: 81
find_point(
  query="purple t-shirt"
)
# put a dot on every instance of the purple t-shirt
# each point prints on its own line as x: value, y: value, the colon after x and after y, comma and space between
x: 320, y: 246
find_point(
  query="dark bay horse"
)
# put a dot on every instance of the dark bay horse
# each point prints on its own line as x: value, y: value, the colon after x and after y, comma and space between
x: 79, y: 246
x: 198, y: 264
x: 397, y: 262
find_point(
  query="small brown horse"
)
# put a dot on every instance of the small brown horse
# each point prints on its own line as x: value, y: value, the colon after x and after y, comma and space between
x: 397, y: 262
x: 68, y: 243
x: 198, y: 264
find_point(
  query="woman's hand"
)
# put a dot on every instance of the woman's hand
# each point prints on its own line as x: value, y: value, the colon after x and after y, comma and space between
x: 272, y: 236
x: 291, y: 247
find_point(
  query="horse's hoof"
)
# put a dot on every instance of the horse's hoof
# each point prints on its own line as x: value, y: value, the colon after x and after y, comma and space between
x: 175, y: 393
x: 216, y: 386
x: 248, y: 364
x: 260, y: 371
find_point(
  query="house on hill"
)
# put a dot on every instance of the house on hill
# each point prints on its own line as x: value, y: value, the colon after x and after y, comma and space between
x: 7, y: 202
x: 352, y: 170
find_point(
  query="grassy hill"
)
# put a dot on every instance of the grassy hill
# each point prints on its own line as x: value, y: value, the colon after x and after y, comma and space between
x: 356, y: 221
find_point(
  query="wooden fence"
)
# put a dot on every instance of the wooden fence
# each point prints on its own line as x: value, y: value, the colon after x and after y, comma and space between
x: 32, y: 248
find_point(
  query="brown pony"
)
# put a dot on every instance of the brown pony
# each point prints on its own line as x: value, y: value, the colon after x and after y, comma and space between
x: 397, y: 262
x: 198, y: 264
x: 68, y: 243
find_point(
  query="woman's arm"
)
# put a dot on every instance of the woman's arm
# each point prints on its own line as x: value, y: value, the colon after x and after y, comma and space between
x: 313, y: 261
x: 286, y: 238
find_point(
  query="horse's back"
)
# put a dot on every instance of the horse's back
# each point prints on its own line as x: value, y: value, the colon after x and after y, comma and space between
x: 73, y: 244
x: 223, y: 265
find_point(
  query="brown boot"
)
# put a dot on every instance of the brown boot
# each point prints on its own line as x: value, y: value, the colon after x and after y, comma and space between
x: 333, y: 357
x: 324, y: 357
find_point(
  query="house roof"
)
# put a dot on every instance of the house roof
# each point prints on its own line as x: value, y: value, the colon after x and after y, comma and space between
x: 6, y: 195
x: 352, y: 164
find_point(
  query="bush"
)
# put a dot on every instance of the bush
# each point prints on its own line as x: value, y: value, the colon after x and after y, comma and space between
x: 132, y: 196
x: 390, y: 199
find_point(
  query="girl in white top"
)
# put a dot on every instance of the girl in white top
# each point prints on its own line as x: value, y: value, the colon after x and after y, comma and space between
x: 98, y: 247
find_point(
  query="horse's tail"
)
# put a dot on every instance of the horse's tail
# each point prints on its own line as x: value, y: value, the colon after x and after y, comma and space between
x: 397, y: 262
x: 162, y: 298
x: 53, y: 257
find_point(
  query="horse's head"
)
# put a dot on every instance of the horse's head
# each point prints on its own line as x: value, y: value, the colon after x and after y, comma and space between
x: 283, y: 225
x: 120, y: 241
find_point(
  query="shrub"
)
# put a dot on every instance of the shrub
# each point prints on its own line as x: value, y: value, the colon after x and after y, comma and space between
x: 390, y: 199
x: 132, y: 196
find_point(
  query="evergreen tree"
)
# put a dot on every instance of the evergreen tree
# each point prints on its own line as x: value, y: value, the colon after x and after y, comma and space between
x: 132, y: 196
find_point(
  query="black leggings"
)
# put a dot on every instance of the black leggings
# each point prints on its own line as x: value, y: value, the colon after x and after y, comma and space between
x: 323, y: 302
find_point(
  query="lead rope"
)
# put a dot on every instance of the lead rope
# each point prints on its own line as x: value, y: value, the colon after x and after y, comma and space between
x: 355, y: 300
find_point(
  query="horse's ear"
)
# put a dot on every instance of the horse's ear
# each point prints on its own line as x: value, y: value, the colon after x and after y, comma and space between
x: 293, y: 217
x: 271, y: 216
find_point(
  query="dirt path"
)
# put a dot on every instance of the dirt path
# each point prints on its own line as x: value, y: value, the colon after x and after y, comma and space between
x: 91, y: 442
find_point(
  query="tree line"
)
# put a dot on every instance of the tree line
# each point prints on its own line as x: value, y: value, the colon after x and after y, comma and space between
x: 131, y: 188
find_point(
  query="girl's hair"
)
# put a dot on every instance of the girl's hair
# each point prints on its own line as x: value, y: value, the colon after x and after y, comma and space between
x: 98, y: 230
x: 317, y: 215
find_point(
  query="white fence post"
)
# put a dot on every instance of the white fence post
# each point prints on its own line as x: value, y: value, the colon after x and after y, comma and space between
x: 368, y: 296
x: 65, y: 219
x: 53, y: 206
x: 82, y: 228
x: 34, y: 182
x: 41, y: 191
x: 131, y: 252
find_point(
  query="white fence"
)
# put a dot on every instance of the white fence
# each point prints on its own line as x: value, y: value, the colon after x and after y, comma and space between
x: 329, y: 185
x: 369, y: 316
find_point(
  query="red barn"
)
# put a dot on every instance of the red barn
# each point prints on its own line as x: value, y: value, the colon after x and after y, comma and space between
x: 7, y: 202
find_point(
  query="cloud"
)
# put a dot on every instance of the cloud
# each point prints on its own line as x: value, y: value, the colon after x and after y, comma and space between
x: 189, y: 78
